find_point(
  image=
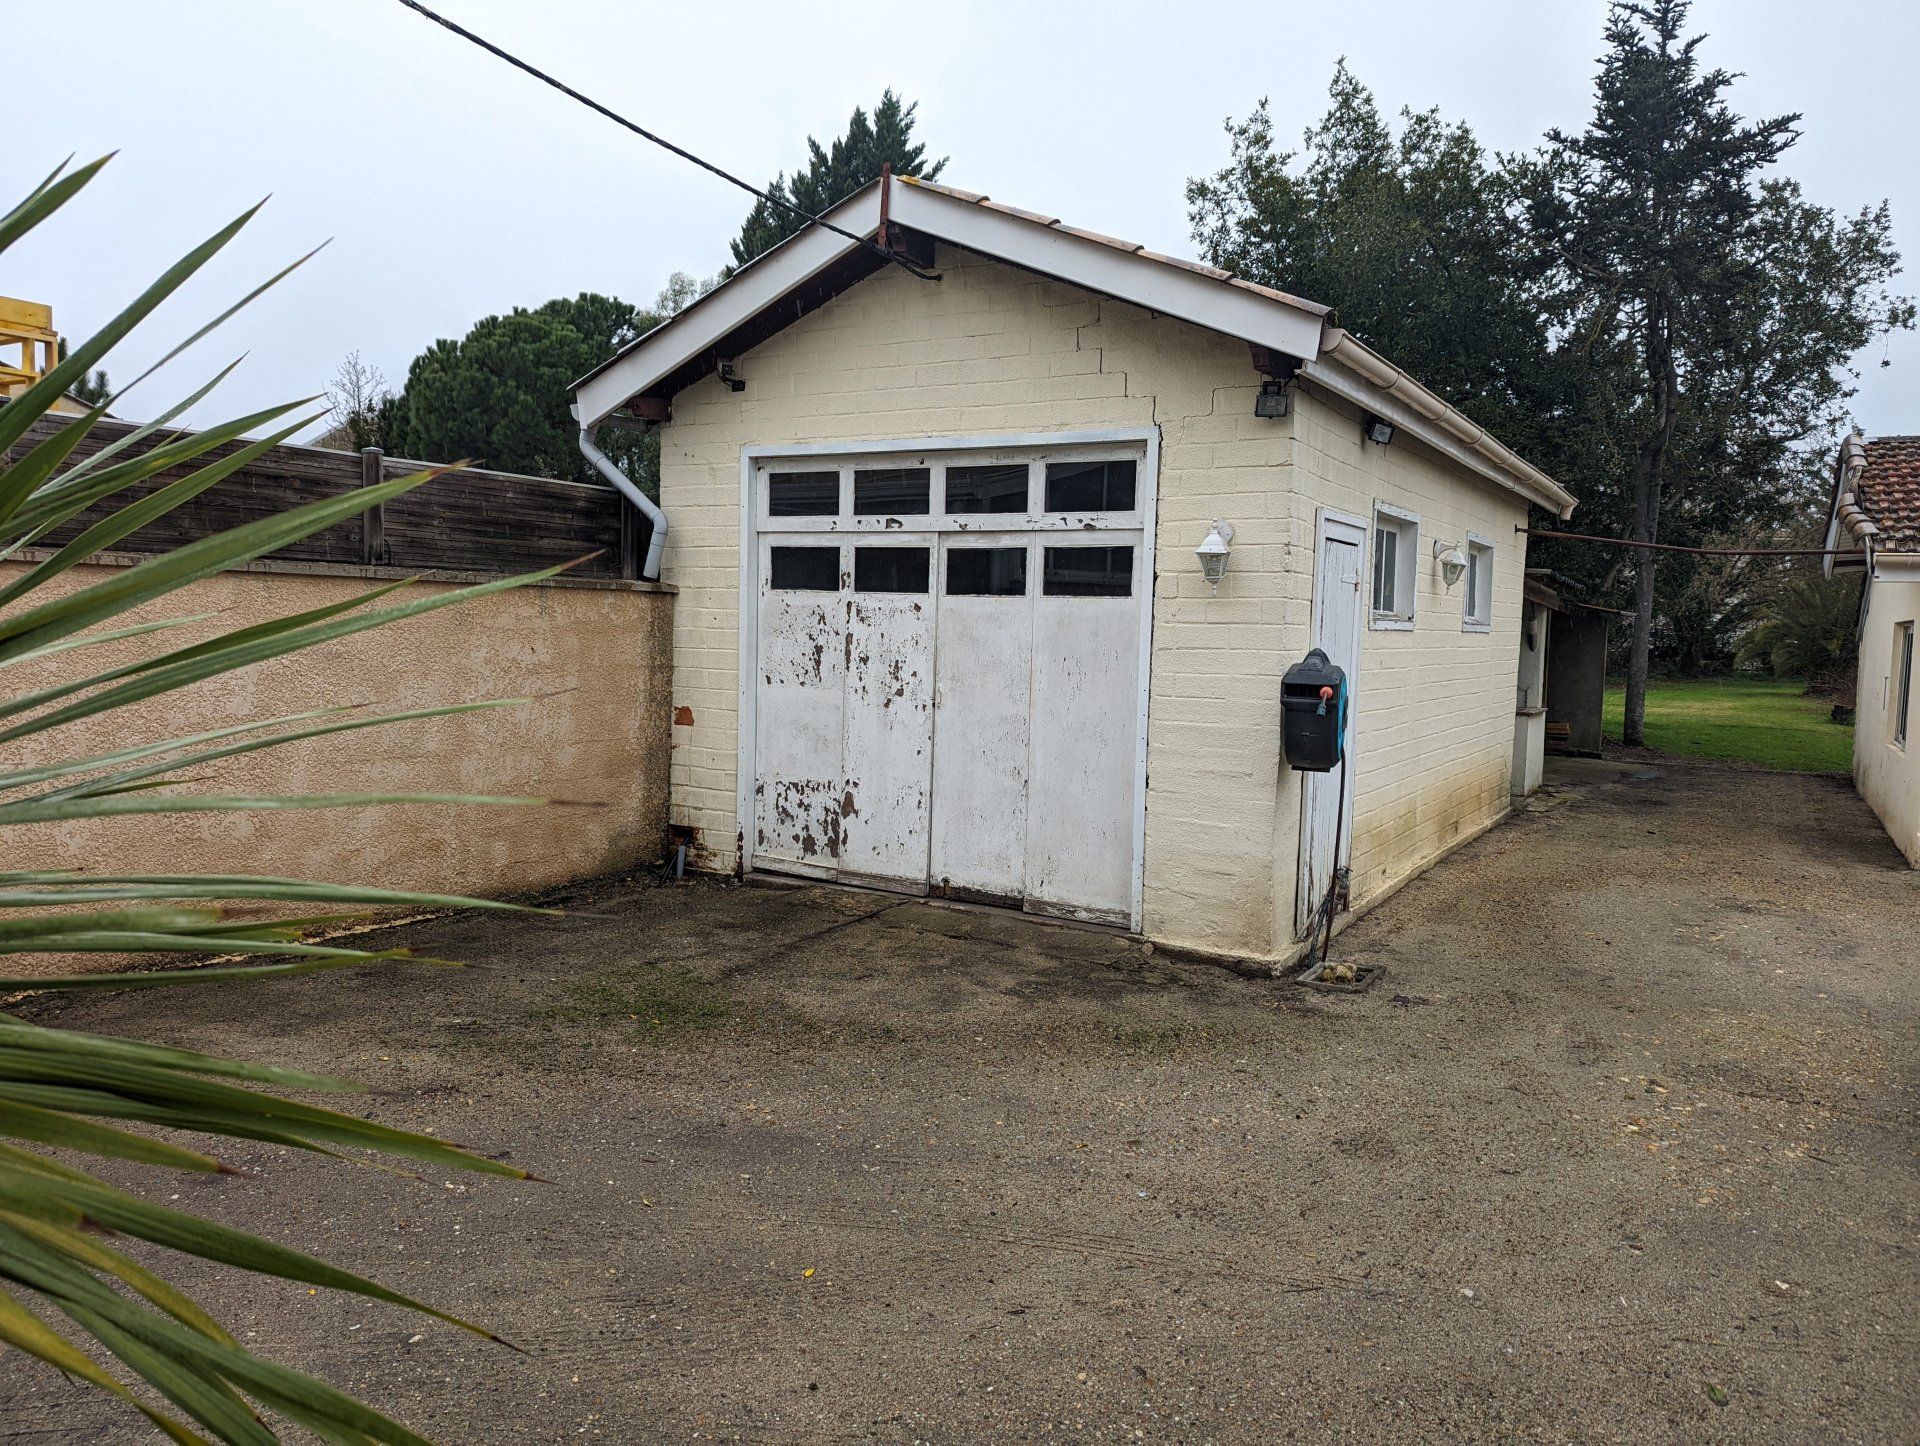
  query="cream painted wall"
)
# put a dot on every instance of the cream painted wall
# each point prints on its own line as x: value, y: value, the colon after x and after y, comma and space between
x: 1433, y: 719
x: 603, y: 740
x: 992, y: 349
x: 1887, y: 775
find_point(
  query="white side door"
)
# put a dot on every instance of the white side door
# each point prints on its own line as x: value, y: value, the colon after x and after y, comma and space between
x: 799, y: 713
x: 1086, y: 717
x: 1337, y: 626
x: 983, y: 672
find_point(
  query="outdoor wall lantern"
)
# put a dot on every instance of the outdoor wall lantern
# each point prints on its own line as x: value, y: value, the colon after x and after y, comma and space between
x: 1377, y: 429
x: 1213, y: 552
x: 1453, y: 562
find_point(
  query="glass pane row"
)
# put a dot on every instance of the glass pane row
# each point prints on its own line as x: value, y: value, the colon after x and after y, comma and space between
x: 969, y: 490
x: 971, y: 571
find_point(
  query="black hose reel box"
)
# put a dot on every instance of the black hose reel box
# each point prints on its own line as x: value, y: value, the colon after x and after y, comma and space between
x: 1313, y: 713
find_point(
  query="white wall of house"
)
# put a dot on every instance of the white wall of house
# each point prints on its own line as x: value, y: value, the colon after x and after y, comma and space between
x: 1887, y: 772
x: 1434, y: 719
x: 993, y: 350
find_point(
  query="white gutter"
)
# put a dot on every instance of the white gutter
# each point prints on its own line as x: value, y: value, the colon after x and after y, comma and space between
x: 657, y: 540
x: 1847, y: 512
x: 1341, y: 346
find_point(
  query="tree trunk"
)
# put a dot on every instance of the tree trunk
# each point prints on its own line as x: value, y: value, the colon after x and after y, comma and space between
x: 1649, y: 478
x: 1645, y: 526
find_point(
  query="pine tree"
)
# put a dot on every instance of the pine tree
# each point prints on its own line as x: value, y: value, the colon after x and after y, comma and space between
x: 834, y: 174
x: 1413, y: 238
x: 500, y: 396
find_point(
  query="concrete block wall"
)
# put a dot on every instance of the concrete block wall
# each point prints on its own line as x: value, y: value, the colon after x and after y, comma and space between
x: 1434, y: 705
x: 992, y: 349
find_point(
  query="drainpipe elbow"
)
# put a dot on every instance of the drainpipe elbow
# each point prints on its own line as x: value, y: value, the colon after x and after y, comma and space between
x: 629, y: 489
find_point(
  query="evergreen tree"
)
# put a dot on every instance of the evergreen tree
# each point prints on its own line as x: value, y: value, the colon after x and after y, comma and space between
x: 1414, y: 239
x: 1708, y: 308
x: 833, y: 174
x: 500, y: 396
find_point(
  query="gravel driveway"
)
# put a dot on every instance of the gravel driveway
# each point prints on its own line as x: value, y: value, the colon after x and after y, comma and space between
x: 1623, y: 1147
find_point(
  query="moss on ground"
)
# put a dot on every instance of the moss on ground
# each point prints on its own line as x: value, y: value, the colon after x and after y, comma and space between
x: 661, y: 1000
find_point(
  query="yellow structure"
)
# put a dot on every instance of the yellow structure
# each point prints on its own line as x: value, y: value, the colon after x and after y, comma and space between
x: 29, y: 349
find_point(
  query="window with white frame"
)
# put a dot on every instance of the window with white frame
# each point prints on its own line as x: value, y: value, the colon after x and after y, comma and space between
x: 1902, y: 680
x: 1477, y: 608
x: 1396, y: 548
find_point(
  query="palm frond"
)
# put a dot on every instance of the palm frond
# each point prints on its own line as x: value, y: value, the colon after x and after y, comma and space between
x: 98, y: 1097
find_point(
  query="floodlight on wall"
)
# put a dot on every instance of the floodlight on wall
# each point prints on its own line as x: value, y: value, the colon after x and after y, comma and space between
x: 1273, y: 400
x: 1213, y: 552
x: 1453, y: 562
x: 1376, y: 429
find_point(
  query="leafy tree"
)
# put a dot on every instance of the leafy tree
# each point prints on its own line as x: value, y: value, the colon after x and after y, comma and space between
x: 1414, y: 238
x: 1711, y: 306
x: 833, y: 174
x: 61, y: 1225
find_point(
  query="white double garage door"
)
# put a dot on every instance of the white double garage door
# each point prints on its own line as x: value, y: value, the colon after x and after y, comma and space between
x: 948, y: 655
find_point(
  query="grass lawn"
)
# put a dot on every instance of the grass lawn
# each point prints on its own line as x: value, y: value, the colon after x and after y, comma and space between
x: 1750, y: 721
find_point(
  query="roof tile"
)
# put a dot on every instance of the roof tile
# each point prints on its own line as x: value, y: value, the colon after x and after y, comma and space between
x: 1889, y: 491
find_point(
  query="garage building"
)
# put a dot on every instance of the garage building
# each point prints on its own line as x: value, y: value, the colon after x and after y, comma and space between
x: 941, y: 624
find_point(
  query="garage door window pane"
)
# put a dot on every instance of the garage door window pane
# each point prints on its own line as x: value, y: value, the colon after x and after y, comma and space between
x: 890, y: 569
x: 1090, y: 486
x: 987, y: 572
x: 987, y: 489
x: 1088, y: 572
x: 891, y: 492
x: 805, y: 569
x: 803, y: 494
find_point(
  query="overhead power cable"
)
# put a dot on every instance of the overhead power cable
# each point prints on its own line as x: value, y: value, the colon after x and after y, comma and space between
x: 1696, y: 551
x: 681, y: 151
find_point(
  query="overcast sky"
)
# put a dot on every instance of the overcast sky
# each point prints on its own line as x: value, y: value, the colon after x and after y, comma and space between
x: 452, y: 186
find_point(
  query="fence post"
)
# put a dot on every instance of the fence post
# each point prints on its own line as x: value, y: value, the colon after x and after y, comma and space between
x: 629, y: 538
x: 373, y: 522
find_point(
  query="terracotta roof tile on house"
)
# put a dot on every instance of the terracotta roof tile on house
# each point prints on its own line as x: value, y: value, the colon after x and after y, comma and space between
x: 1889, y: 491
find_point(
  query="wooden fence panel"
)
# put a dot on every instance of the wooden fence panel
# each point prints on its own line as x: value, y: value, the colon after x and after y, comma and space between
x: 468, y: 521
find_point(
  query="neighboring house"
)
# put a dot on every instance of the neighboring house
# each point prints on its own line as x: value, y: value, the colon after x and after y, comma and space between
x: 1876, y: 504
x: 941, y: 626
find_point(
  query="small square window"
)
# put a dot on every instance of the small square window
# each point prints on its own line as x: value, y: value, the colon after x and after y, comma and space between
x: 890, y: 569
x: 1090, y: 486
x: 891, y: 492
x: 1396, y: 544
x: 987, y: 572
x: 987, y: 489
x: 1088, y: 572
x: 803, y: 494
x: 1477, y: 614
x: 804, y: 569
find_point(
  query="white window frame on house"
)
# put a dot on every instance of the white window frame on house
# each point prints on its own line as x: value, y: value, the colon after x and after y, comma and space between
x: 1476, y: 608
x: 1902, y: 681
x: 1405, y: 528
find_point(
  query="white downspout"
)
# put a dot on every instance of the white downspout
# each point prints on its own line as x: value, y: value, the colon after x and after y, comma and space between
x: 656, y: 543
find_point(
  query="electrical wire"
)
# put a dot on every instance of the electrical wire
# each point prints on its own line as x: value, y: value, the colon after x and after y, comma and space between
x: 681, y: 151
x: 1696, y: 551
